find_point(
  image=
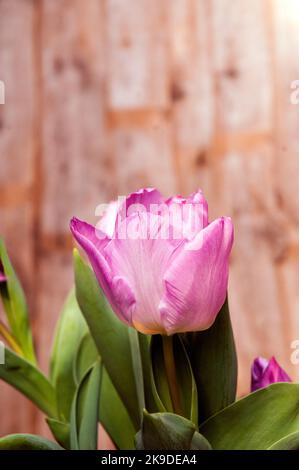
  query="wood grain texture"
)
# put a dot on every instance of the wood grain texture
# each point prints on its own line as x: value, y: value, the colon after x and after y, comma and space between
x: 106, y: 96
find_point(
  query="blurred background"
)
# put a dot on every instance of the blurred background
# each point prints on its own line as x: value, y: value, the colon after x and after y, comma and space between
x: 105, y: 96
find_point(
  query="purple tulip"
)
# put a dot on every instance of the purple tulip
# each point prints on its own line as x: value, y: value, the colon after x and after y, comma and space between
x: 264, y: 373
x: 161, y: 264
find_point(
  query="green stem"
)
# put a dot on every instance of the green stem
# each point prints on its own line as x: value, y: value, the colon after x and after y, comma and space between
x: 171, y: 374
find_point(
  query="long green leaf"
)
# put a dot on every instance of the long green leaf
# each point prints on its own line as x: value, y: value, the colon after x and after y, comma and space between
x: 26, y: 378
x: 137, y: 368
x: 214, y: 363
x: 27, y: 442
x: 70, y: 329
x: 112, y: 412
x: 151, y: 397
x: 186, y: 382
x: 114, y: 416
x: 111, y: 336
x: 84, y: 415
x: 86, y: 355
x: 257, y: 421
x: 15, y: 306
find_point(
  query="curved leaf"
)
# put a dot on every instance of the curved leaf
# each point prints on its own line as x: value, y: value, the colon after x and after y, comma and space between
x: 151, y: 397
x: 114, y: 416
x: 26, y: 378
x: 214, y: 362
x: 84, y: 415
x: 290, y: 442
x: 27, y: 442
x: 112, y: 412
x: 86, y: 355
x: 199, y: 442
x: 257, y: 421
x: 165, y: 431
x: 15, y: 306
x: 61, y: 431
x: 111, y: 336
x: 137, y: 368
x: 71, y: 326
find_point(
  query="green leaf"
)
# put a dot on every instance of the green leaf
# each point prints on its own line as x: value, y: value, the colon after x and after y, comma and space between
x: 26, y: 378
x: 199, y: 442
x: 114, y: 416
x: 112, y: 412
x: 185, y: 379
x: 257, y: 421
x: 214, y: 362
x: 27, y: 442
x: 151, y: 397
x: 15, y: 306
x: 111, y: 336
x: 86, y: 356
x: 165, y: 431
x: 61, y: 431
x: 84, y: 415
x: 290, y: 442
x: 137, y: 368
x: 70, y: 329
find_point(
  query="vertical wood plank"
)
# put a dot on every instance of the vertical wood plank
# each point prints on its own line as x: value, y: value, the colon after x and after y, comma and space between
x: 77, y: 170
x: 137, y: 59
x: 191, y: 91
x: 17, y: 147
x: 286, y: 69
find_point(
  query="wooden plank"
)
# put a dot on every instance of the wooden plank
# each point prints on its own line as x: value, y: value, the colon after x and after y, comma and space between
x: 191, y: 91
x: 137, y: 59
x: 286, y: 171
x: 242, y: 65
x: 144, y: 157
x: 286, y: 68
x: 17, y: 148
x: 246, y: 187
x: 77, y: 169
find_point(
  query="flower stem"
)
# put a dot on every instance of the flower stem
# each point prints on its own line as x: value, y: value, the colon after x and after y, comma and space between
x: 171, y: 374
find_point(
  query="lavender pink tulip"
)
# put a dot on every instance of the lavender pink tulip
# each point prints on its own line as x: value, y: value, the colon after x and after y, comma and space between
x: 266, y: 372
x: 163, y: 270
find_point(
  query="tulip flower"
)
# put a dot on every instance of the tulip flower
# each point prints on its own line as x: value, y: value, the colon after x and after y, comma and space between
x: 162, y: 266
x: 266, y: 372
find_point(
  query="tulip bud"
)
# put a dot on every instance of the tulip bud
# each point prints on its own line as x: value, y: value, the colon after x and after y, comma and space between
x: 162, y: 266
x: 264, y: 373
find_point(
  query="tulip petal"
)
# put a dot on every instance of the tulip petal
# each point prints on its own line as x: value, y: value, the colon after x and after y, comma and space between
x: 264, y: 373
x: 117, y: 290
x: 196, y: 282
x: 144, y: 197
x: 142, y: 257
x: 108, y: 220
x: 188, y: 215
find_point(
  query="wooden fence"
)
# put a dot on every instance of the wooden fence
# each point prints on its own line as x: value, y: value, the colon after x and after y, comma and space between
x: 106, y: 96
